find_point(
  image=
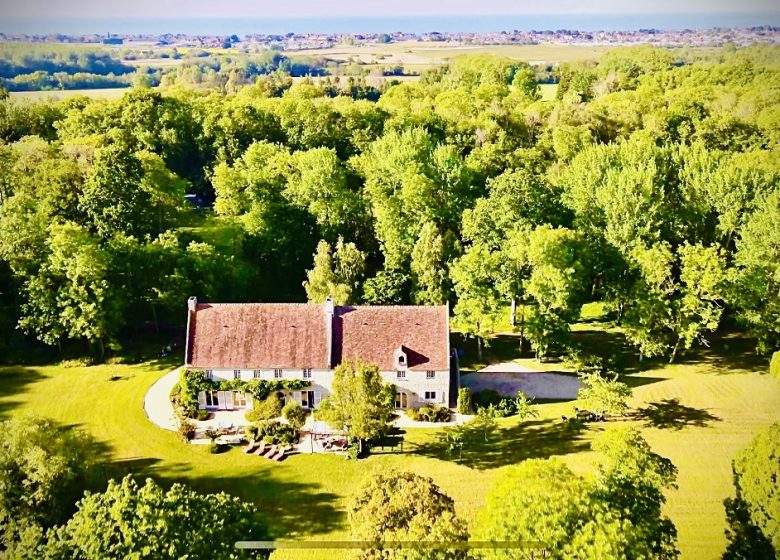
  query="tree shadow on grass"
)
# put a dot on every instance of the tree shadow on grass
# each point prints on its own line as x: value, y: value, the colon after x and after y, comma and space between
x: 14, y: 381
x: 289, y: 507
x: 533, y: 439
x: 670, y: 414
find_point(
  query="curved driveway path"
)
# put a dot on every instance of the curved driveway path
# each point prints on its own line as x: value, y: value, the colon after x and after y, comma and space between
x: 157, y: 401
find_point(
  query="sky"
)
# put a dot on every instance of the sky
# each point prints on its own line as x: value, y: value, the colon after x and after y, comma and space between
x: 363, y: 8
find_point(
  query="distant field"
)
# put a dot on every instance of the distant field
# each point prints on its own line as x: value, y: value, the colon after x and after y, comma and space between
x: 413, y: 53
x: 548, y: 91
x: 106, y: 93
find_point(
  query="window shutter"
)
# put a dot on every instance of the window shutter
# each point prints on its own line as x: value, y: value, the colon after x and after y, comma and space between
x: 297, y: 396
x: 443, y: 396
x: 201, y: 400
x: 317, y: 398
x: 229, y: 400
x: 250, y: 404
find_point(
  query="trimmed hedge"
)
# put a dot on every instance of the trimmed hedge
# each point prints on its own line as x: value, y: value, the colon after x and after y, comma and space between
x: 465, y: 401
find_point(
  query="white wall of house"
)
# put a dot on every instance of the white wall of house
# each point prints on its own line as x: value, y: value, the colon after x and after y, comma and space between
x: 419, y: 388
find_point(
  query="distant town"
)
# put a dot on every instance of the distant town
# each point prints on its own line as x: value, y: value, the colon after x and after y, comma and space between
x: 300, y: 41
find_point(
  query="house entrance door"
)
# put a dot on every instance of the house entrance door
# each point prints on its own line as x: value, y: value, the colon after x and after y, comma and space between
x: 310, y: 399
x: 401, y: 400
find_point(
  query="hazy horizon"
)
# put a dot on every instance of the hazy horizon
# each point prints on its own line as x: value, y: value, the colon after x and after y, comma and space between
x: 195, y: 24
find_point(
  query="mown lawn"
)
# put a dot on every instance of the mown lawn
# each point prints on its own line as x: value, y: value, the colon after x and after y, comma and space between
x: 698, y: 413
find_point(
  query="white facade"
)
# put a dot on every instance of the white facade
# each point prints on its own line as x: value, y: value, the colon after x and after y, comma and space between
x: 414, y: 388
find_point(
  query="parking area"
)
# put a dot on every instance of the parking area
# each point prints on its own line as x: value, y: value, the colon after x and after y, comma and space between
x: 509, y: 378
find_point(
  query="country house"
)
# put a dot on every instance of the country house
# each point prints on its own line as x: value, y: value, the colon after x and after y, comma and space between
x: 410, y: 344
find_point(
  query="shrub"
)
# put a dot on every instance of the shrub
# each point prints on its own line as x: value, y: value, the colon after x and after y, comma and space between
x: 465, y: 401
x: 251, y: 432
x: 202, y: 414
x: 486, y: 397
x: 434, y: 413
x: 273, y: 432
x: 267, y: 409
x: 215, y: 448
x: 774, y: 365
x: 212, y: 434
x: 286, y: 435
x: 438, y: 413
x: 583, y: 362
x: 502, y: 406
x: 78, y: 362
x: 353, y: 449
x: 186, y: 430
x: 295, y: 415
x: 267, y: 427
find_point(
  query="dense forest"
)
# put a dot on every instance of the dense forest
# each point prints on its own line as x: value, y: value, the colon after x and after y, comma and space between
x: 652, y: 184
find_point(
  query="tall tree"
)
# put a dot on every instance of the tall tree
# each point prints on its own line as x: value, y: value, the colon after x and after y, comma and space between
x: 42, y: 470
x: 479, y: 302
x: 129, y: 520
x: 360, y: 403
x: 428, y: 267
x: 405, y: 507
x: 335, y: 274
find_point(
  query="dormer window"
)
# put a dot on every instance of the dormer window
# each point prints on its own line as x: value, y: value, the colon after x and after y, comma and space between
x: 400, y: 358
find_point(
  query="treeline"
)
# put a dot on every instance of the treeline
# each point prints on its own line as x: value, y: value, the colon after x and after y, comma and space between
x: 648, y: 185
x: 43, y: 81
x: 27, y: 58
x: 36, y: 68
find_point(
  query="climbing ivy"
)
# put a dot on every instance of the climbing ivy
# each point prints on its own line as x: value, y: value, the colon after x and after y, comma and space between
x: 193, y: 381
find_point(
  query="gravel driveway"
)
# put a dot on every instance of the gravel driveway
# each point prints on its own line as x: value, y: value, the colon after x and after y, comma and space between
x: 509, y: 378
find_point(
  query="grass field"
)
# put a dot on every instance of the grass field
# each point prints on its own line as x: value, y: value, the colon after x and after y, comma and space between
x: 698, y: 413
x: 421, y: 53
x: 105, y: 93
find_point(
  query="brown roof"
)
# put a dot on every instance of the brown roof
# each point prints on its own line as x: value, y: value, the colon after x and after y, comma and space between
x: 374, y: 333
x: 258, y: 335
x: 294, y: 335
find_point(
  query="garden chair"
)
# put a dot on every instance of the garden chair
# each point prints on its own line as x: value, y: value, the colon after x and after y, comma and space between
x: 282, y: 452
x: 260, y: 449
x: 271, y: 452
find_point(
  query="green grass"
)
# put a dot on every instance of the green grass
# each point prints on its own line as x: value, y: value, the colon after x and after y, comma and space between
x: 698, y: 413
x: 58, y: 95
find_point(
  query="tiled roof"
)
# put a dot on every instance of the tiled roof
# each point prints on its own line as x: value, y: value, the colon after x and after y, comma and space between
x: 374, y: 333
x: 258, y: 335
x: 269, y: 335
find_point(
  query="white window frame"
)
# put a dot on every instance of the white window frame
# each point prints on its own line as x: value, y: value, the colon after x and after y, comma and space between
x: 257, y: 374
x: 236, y: 374
x: 430, y: 396
x: 430, y: 374
x: 307, y: 373
x: 278, y: 373
x: 209, y: 374
x: 400, y: 374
